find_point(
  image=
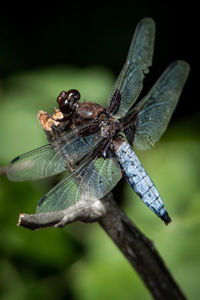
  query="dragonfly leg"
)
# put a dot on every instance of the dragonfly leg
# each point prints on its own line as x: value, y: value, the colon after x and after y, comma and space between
x: 60, y: 130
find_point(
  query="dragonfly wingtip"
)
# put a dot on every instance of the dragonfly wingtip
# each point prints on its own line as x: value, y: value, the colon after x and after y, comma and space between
x: 14, y: 160
x: 41, y: 201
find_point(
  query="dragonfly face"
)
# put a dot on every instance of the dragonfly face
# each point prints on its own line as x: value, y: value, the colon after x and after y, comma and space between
x: 67, y: 101
x: 93, y: 145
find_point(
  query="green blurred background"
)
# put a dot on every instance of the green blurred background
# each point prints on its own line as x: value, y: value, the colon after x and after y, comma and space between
x: 44, y: 50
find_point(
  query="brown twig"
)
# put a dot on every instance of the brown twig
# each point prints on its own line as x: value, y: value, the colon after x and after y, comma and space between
x: 3, y: 170
x: 141, y: 253
x: 137, y: 248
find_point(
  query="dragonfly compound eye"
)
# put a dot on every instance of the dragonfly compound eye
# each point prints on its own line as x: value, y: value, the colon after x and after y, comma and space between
x: 66, y: 100
x: 73, y: 95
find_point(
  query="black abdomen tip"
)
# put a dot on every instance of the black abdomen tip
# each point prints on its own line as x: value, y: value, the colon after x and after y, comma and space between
x: 166, y: 218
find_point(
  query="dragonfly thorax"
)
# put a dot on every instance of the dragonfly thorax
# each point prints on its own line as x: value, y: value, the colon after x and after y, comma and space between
x: 110, y: 127
x: 87, y: 112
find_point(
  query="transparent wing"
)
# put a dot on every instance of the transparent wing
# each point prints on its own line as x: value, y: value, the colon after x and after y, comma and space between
x: 36, y: 164
x: 73, y: 146
x: 89, y: 182
x: 68, y: 148
x: 156, y: 108
x: 130, y: 81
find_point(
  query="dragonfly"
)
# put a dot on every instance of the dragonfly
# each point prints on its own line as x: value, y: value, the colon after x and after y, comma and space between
x: 93, y: 146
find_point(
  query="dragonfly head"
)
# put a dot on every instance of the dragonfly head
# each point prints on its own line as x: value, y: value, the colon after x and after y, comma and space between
x: 67, y: 101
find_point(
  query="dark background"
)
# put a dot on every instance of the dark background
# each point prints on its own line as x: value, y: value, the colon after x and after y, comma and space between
x: 79, y: 261
x: 97, y: 34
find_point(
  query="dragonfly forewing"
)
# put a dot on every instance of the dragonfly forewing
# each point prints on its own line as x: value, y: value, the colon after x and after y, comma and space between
x: 74, y: 150
x: 36, y: 164
x: 130, y: 81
